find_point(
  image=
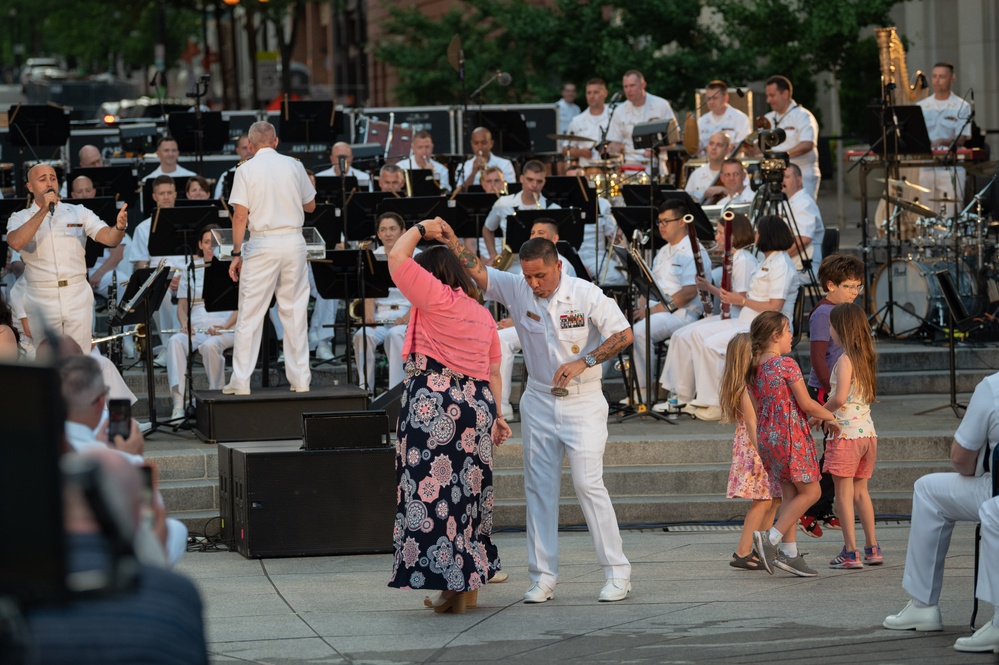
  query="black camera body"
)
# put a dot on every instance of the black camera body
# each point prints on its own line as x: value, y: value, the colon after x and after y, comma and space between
x: 770, y: 172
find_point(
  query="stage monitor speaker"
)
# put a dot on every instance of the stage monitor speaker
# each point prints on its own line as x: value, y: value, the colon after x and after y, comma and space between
x: 292, y: 502
x: 390, y: 402
x: 345, y: 429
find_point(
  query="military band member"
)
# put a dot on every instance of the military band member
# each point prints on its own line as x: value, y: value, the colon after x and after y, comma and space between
x: 721, y: 117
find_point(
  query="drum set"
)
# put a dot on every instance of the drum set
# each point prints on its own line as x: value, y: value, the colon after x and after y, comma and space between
x: 921, y: 243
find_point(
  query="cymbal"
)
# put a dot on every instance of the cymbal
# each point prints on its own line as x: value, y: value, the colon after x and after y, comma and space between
x: 604, y: 163
x: 911, y: 206
x: 942, y: 199
x: 571, y: 137
x: 903, y: 183
x: 982, y: 170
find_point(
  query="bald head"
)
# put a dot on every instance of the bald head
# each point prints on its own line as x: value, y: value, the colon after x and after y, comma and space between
x: 341, y: 149
x: 83, y: 188
x: 90, y: 157
x: 482, y: 141
x: 42, y: 178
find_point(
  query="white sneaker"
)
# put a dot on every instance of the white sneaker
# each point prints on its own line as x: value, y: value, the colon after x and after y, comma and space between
x: 539, y: 593
x: 615, y: 589
x: 984, y: 640
x: 178, y: 413
x: 920, y: 619
x: 661, y: 407
x: 324, y: 350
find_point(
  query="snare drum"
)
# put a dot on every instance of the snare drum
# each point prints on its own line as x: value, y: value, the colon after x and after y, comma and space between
x: 917, y: 293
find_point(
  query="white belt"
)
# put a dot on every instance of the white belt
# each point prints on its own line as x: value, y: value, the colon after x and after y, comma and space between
x: 271, y: 233
x: 573, y: 388
x: 57, y: 283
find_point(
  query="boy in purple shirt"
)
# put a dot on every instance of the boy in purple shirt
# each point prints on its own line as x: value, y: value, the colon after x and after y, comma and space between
x: 842, y: 277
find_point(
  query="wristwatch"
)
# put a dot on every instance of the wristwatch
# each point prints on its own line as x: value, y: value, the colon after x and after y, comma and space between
x: 589, y: 360
x: 423, y: 230
x: 236, y: 253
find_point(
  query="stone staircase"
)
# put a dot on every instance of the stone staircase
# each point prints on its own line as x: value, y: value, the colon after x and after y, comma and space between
x: 661, y: 474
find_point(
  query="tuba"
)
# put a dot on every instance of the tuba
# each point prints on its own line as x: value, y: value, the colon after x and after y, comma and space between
x: 891, y: 53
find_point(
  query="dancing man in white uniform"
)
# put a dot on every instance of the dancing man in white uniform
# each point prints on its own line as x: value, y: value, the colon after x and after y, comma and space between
x: 568, y: 327
x: 939, y: 500
x: 272, y: 193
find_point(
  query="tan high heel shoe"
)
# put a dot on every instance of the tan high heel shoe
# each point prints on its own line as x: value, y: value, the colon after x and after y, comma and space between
x: 472, y: 599
x: 455, y: 604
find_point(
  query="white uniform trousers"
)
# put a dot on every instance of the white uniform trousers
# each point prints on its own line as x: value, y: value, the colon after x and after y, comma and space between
x: 211, y: 348
x: 988, y: 577
x: 662, y: 325
x: 553, y: 427
x: 273, y: 265
x: 392, y: 337
x: 696, y: 359
x: 938, y: 501
x: 68, y: 310
x: 509, y: 346
x: 942, y: 182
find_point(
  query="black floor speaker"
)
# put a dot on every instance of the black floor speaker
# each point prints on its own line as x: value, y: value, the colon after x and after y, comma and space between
x: 292, y: 502
x: 389, y: 402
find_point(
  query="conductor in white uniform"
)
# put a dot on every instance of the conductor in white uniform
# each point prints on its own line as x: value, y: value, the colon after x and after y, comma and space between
x: 567, y: 327
x: 272, y: 193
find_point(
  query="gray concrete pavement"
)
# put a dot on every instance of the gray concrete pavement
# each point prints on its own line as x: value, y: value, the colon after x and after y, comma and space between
x: 687, y: 606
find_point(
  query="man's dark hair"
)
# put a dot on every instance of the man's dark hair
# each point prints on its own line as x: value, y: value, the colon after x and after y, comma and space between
x: 675, y: 205
x: 164, y: 139
x: 782, y: 82
x: 596, y: 80
x: 441, y: 262
x: 539, y: 248
x: 944, y: 64
x: 547, y: 221
x: 534, y: 166
x: 163, y: 180
x: 717, y: 85
x: 774, y: 234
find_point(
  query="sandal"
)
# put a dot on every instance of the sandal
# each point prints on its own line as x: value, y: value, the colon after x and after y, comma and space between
x: 748, y: 562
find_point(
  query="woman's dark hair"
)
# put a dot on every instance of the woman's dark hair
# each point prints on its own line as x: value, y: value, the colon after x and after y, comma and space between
x: 7, y: 319
x: 444, y: 265
x: 202, y: 182
x: 207, y: 228
x: 774, y: 235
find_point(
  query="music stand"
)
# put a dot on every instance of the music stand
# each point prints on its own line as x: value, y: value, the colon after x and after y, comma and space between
x: 641, y: 277
x: 35, y: 126
x: 351, y: 274
x: 569, y: 252
x: 570, y: 227
x: 211, y: 136
x: 309, y: 121
x: 106, y: 208
x: 358, y: 214
x: 908, y: 137
x: 204, y: 203
x: 329, y: 224
x: 142, y: 297
x: 176, y: 231
x: 419, y: 208
x: 423, y: 183
x: 573, y: 191
x: 509, y: 130
x: 634, y: 218
x: 115, y: 181
x: 138, y: 139
x: 476, y: 207
x: 329, y: 189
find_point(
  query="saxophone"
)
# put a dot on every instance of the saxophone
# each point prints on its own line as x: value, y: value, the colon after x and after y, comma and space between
x: 894, y: 74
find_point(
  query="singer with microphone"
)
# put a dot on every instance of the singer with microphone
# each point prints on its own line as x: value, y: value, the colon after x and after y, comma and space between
x: 947, y: 118
x: 722, y: 118
x: 592, y: 123
x: 52, y: 238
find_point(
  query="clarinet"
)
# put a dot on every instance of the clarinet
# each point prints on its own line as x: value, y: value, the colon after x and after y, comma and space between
x: 115, y: 346
x: 695, y: 247
x: 726, y: 284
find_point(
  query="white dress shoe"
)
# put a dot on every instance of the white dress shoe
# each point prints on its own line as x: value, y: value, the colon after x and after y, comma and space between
x: 984, y: 640
x: 922, y: 619
x: 178, y: 413
x: 300, y: 389
x: 708, y: 413
x: 229, y: 390
x: 615, y: 589
x: 539, y: 593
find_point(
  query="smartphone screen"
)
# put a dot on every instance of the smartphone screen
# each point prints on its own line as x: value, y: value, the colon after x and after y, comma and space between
x: 119, y: 419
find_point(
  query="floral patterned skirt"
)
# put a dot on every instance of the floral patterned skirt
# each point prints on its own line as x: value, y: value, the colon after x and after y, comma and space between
x: 445, y: 480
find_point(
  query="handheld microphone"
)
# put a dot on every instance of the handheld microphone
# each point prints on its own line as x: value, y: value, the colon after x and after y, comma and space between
x: 51, y: 205
x: 503, y: 78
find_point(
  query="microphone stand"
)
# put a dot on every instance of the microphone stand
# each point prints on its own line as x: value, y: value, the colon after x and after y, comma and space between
x: 200, y: 90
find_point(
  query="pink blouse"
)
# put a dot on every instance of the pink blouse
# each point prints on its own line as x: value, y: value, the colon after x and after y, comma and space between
x: 446, y: 324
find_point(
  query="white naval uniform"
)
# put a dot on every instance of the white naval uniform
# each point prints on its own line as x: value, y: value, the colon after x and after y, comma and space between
x: 565, y: 327
x: 392, y: 336
x: 744, y: 264
x: 745, y: 195
x: 440, y: 171
x: 673, y: 268
x: 628, y: 115
x: 593, y: 251
x: 211, y: 347
x: 699, y: 181
x: 55, y: 271
x: 696, y: 357
x: 800, y: 125
x: 733, y: 122
x: 274, y: 188
x: 220, y: 185
x: 941, y: 499
x: 591, y: 126
x: 505, y: 207
x: 505, y: 165
x: 988, y: 577
x: 363, y: 179
x: 808, y: 219
x: 138, y: 251
x: 179, y: 172
x: 944, y: 118
x: 510, y: 341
